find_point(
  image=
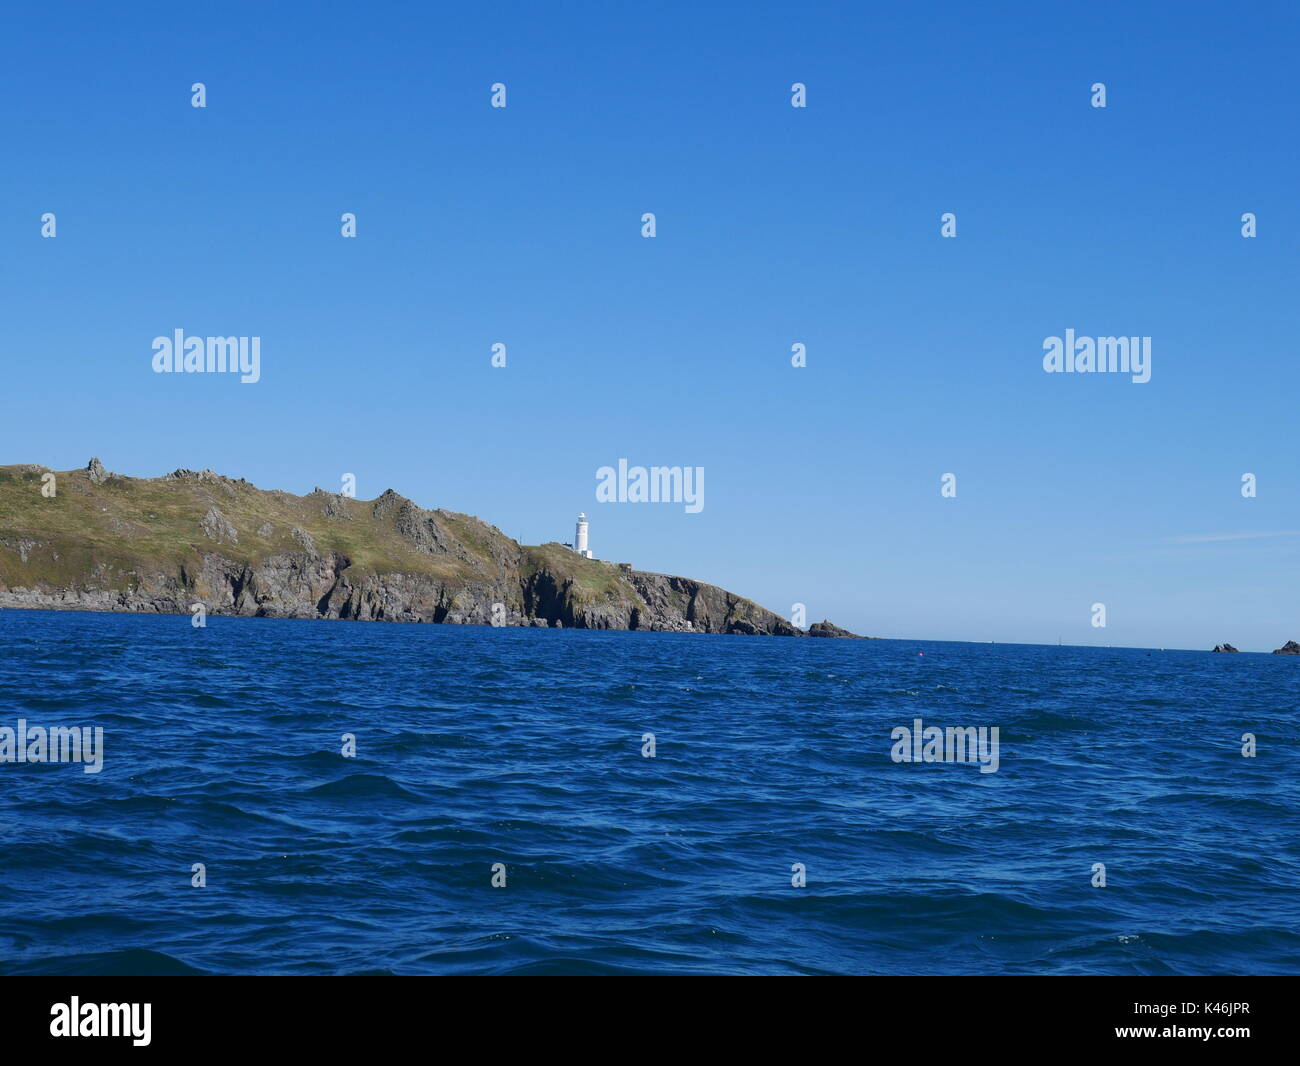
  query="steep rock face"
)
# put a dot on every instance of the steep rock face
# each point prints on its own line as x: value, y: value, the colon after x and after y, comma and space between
x: 111, y: 543
x: 684, y: 605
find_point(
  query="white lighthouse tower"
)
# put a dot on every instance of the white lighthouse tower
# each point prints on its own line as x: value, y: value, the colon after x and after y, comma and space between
x: 580, y: 537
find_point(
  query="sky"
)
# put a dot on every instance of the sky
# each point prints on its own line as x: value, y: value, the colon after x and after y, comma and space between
x: 774, y: 225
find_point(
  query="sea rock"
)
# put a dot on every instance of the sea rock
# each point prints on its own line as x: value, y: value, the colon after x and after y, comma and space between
x: 829, y: 629
x: 1289, y: 648
x: 1224, y: 647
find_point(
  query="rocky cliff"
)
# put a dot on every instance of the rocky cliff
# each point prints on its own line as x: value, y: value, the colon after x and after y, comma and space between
x: 93, y: 540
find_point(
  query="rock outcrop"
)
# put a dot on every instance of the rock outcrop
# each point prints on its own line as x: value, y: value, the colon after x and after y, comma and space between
x: 829, y: 629
x: 1289, y: 648
x: 113, y: 543
x: 1224, y: 647
x: 216, y: 528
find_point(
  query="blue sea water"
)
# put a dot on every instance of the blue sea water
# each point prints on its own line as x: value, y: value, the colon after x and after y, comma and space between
x: 478, y: 746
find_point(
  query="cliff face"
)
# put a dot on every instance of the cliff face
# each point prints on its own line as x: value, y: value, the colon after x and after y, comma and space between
x: 104, y: 542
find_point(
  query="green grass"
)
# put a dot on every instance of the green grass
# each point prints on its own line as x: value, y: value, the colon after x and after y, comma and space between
x: 591, y: 579
x: 126, y: 526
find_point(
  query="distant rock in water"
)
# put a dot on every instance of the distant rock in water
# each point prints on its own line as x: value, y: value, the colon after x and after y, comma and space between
x: 1224, y: 647
x: 829, y: 629
x: 1289, y: 648
x: 161, y: 545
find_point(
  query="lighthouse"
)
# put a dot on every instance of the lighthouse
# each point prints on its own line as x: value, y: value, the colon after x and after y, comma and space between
x: 580, y: 537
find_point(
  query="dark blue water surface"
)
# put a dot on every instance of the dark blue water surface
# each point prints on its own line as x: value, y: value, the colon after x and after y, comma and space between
x: 478, y: 746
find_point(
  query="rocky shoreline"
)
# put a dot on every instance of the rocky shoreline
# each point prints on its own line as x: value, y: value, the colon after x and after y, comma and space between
x: 104, y: 542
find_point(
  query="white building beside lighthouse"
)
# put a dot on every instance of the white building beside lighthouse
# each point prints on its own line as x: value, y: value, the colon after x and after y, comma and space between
x: 580, y: 537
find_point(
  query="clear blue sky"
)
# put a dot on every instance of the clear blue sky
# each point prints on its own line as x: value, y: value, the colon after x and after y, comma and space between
x: 775, y: 225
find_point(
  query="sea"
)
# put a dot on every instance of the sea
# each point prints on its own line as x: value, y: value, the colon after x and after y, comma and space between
x: 325, y: 797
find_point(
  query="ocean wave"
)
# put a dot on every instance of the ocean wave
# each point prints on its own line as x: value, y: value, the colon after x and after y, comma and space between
x: 529, y: 753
